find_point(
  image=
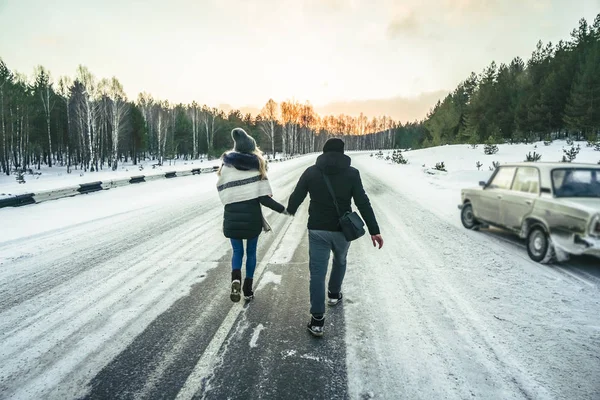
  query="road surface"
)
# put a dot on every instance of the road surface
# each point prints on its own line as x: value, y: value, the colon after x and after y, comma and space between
x: 123, y: 294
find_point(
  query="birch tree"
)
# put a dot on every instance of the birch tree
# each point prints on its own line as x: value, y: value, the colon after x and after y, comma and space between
x: 88, y: 82
x: 193, y: 112
x: 64, y: 93
x: 146, y: 104
x: 43, y: 88
x: 208, y: 117
x: 5, y: 78
x: 118, y: 112
x: 269, y: 116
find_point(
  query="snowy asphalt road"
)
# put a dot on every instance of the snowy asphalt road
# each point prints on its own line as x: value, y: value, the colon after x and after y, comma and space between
x: 133, y: 303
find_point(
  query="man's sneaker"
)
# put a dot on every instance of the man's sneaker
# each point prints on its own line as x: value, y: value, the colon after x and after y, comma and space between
x: 247, y: 289
x: 334, y: 298
x: 236, y: 279
x: 315, y: 326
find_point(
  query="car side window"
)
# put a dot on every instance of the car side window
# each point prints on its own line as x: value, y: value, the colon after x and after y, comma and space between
x: 503, y: 178
x: 527, y: 180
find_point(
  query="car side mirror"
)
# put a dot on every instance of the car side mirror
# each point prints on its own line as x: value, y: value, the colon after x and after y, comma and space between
x: 545, y: 190
x: 482, y: 184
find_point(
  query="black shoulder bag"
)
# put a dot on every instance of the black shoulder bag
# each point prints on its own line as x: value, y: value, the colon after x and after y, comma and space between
x: 351, y: 223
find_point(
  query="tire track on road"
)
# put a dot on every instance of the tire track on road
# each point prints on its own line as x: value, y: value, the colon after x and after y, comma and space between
x: 491, y: 316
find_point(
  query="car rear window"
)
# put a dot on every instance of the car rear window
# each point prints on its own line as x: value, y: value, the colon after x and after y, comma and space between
x: 576, y: 182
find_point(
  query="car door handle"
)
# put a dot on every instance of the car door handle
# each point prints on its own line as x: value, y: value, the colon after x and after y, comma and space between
x: 528, y: 202
x: 499, y: 196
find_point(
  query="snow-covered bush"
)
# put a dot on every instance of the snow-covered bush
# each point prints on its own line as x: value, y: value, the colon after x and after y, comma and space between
x: 490, y: 146
x: 571, y: 154
x: 440, y: 166
x: 533, y: 157
x: 478, y: 165
x: 569, y: 141
x: 495, y: 164
x: 20, y: 176
x: 379, y: 155
x: 490, y: 149
x: 398, y: 157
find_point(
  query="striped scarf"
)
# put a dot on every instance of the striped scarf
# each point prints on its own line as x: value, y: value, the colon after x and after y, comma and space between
x: 235, y: 185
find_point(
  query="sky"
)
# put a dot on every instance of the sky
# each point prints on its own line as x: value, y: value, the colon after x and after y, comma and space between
x: 378, y: 56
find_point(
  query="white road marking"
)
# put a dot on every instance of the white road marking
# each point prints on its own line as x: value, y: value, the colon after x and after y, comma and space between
x: 209, y: 358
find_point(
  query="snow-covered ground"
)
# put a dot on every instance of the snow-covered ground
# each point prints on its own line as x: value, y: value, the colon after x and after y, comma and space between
x: 440, y: 191
x: 89, y: 283
x: 57, y: 177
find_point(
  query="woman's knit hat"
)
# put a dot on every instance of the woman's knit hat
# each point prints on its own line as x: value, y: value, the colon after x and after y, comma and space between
x: 243, y: 143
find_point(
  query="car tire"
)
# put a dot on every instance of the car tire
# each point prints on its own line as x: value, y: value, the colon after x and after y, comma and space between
x: 539, y: 246
x: 467, y: 217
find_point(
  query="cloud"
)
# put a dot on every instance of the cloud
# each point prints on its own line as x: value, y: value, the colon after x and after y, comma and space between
x: 459, y: 10
x: 400, y: 108
x: 244, y: 110
x: 53, y: 41
x: 333, y: 6
x: 404, y: 25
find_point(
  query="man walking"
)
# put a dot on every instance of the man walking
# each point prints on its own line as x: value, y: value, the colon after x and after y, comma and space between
x: 324, y: 232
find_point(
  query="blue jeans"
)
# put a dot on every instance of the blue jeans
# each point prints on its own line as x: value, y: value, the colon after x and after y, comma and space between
x: 320, y: 246
x: 238, y: 255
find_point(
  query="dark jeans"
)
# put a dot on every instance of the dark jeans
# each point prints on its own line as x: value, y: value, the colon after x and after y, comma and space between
x: 238, y: 255
x: 320, y: 246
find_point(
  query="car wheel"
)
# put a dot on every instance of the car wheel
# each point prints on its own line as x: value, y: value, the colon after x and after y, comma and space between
x: 467, y: 217
x: 539, y: 247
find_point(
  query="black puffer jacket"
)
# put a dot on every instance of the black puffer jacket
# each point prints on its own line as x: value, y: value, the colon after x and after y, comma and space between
x: 346, y: 184
x: 243, y: 220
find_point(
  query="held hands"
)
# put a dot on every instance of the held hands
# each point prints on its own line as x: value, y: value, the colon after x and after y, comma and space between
x: 377, y: 239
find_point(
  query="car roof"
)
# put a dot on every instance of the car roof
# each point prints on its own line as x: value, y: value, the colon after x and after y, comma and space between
x: 552, y: 165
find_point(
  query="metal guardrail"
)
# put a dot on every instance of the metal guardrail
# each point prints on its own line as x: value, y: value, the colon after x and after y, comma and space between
x: 17, y: 201
x: 84, y: 188
x: 90, y: 187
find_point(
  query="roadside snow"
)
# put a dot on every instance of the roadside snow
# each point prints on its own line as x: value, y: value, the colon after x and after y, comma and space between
x: 442, y: 312
x: 255, y: 335
x: 440, y: 192
x: 57, y: 176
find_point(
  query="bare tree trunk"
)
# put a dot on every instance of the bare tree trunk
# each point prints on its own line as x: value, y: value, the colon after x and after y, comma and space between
x: 273, y: 138
x: 5, y: 164
x: 47, y: 108
x: 90, y: 133
x: 68, y: 138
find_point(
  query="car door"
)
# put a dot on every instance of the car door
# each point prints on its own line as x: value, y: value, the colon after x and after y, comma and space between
x: 517, y: 203
x: 488, y: 208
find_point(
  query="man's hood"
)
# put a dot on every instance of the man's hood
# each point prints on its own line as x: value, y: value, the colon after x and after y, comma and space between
x: 332, y: 163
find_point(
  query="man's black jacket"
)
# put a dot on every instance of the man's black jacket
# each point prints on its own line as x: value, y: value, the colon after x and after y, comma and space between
x: 346, y: 184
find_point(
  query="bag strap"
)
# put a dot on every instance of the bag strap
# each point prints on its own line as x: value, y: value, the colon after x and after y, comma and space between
x: 330, y: 188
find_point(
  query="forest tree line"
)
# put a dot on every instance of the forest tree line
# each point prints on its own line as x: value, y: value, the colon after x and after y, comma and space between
x: 89, y: 124
x: 556, y: 93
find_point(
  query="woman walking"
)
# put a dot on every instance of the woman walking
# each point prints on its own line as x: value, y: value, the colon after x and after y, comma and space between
x: 243, y: 186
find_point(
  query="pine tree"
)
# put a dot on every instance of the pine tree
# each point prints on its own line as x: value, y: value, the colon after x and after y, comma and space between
x: 583, y: 107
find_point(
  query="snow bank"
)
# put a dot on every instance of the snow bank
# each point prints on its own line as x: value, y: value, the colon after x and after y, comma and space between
x: 440, y: 192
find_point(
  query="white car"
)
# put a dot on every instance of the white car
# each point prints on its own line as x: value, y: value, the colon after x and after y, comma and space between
x: 554, y: 206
